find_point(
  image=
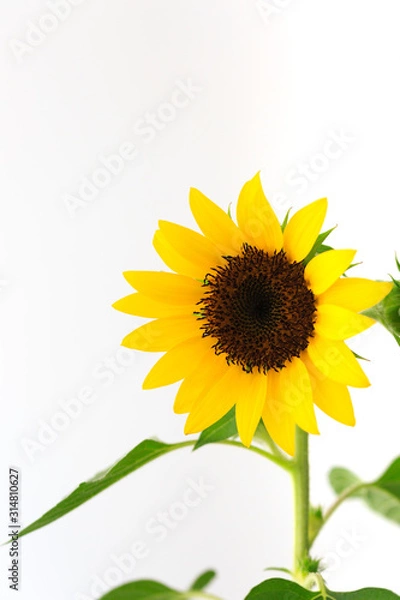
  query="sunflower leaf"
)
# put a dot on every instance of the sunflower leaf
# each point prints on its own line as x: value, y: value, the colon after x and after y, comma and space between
x: 142, y: 454
x: 382, y: 495
x: 276, y: 589
x: 221, y: 430
x: 143, y: 590
x: 146, y: 589
x: 203, y: 580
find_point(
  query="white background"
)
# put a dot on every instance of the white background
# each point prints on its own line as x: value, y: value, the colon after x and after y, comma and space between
x: 274, y: 86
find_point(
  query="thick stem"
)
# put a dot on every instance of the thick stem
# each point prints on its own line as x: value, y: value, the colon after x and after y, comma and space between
x: 301, y: 501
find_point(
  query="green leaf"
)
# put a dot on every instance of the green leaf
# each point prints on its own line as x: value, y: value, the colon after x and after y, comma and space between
x: 142, y: 454
x: 382, y: 495
x: 280, y: 589
x: 319, y: 246
x: 203, y: 580
x: 146, y: 589
x: 341, y: 479
x: 221, y: 430
x: 390, y: 480
x: 143, y: 590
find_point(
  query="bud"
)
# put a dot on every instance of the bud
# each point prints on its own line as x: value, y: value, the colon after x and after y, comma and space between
x: 315, y: 522
x: 387, y: 312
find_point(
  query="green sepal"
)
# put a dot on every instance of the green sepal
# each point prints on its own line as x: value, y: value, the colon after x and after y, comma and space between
x: 285, y: 220
x: 319, y: 246
x: 280, y: 589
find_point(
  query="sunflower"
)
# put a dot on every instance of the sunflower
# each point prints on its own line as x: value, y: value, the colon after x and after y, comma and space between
x: 252, y: 317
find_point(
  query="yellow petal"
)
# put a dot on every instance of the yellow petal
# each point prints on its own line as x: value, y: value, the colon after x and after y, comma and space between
x: 177, y: 363
x: 211, y: 407
x: 336, y: 361
x: 165, y: 287
x: 209, y: 370
x: 324, y: 269
x: 356, y: 293
x: 256, y: 218
x: 162, y: 334
x: 331, y: 397
x: 250, y: 402
x: 303, y: 229
x: 142, y: 306
x: 175, y: 261
x: 216, y: 223
x: 294, y: 391
x: 278, y: 420
x: 338, y: 323
x: 192, y: 246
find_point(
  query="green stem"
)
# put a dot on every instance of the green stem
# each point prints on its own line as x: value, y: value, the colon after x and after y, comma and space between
x: 339, y: 500
x: 322, y: 587
x: 285, y: 463
x: 301, y: 501
x: 281, y: 461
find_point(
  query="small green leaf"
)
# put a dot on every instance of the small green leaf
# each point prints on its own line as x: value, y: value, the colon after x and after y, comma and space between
x: 143, y: 590
x: 142, y: 454
x: 280, y: 589
x: 382, y: 495
x: 203, y: 580
x: 341, y: 479
x: 319, y: 246
x: 221, y: 430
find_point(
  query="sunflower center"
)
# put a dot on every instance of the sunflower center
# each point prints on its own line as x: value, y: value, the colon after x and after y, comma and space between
x: 259, y: 309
